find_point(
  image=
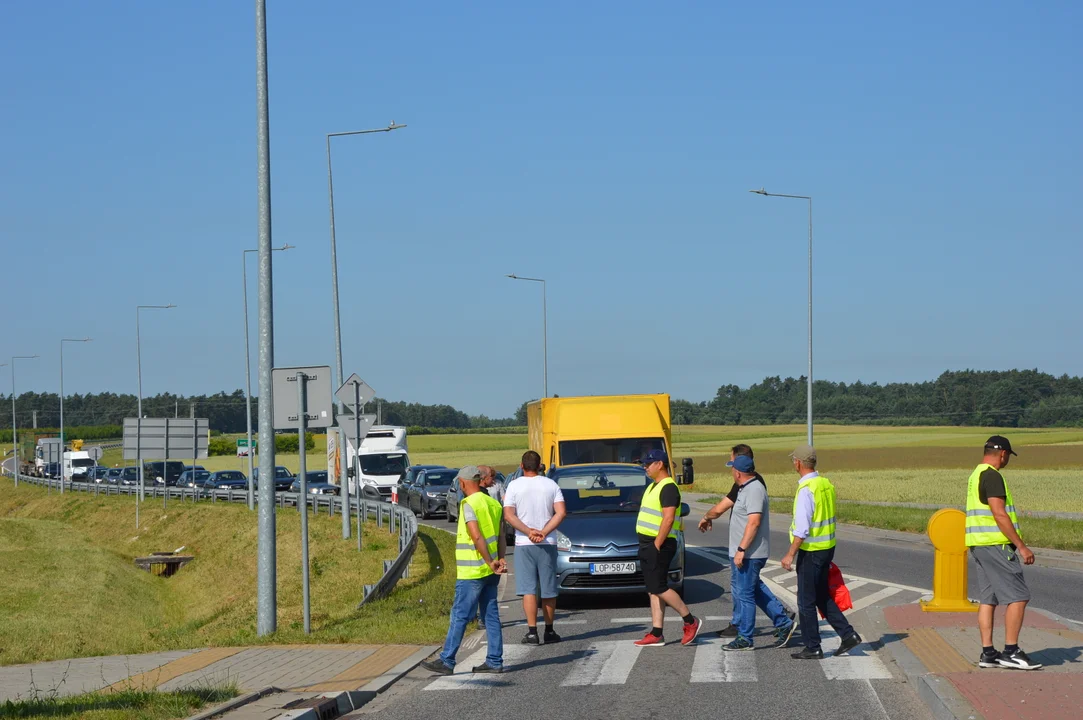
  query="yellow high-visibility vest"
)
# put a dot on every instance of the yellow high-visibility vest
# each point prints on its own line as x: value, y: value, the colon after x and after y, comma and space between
x: 649, y: 521
x: 821, y: 533
x: 469, y: 564
x: 981, y: 526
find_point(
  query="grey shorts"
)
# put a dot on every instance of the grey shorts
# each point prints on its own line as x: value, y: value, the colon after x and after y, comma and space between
x: 536, y: 570
x: 1000, y: 575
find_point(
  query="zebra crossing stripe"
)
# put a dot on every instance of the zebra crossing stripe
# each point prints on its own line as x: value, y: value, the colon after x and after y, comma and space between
x: 606, y: 663
x: 857, y: 664
x: 463, y: 679
x: 876, y: 597
x: 712, y: 664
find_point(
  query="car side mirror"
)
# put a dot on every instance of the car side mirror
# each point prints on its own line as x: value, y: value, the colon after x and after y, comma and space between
x: 688, y: 474
x: 685, y: 510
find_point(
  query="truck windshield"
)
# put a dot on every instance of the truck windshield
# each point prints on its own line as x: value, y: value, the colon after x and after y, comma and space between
x: 618, y: 450
x: 383, y: 464
x: 82, y: 462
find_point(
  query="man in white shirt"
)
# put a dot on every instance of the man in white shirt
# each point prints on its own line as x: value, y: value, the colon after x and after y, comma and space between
x: 534, y: 506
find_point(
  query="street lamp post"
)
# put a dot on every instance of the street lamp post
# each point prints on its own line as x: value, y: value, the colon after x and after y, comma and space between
x: 248, y: 369
x: 139, y: 405
x: 344, y: 482
x: 763, y: 192
x: 63, y: 467
x: 14, y: 431
x: 545, y: 335
x: 334, y: 249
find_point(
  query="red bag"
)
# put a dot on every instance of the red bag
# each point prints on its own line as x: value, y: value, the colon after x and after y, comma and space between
x: 837, y: 587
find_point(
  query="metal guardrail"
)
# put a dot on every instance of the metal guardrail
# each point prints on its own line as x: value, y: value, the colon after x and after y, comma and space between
x: 401, y: 521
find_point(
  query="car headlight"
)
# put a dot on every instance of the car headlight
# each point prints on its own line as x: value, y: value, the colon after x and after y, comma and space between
x: 564, y: 543
x: 314, y: 491
x: 434, y: 495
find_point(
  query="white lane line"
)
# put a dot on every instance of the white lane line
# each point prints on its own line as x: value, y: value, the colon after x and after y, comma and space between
x: 876, y: 597
x: 669, y: 618
x: 558, y: 623
x: 856, y: 584
x: 463, y: 679
x: 712, y: 664
x: 606, y: 663
x: 858, y: 664
x: 788, y: 598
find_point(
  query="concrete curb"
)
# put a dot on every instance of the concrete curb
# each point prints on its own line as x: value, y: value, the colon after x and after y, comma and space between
x: 941, y: 697
x: 233, y: 704
x: 390, y: 677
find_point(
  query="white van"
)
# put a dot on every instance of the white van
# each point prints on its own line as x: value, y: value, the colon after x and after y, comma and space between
x: 77, y: 464
x: 384, y: 459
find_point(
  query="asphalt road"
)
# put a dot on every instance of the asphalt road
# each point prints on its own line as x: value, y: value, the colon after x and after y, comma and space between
x: 596, y: 671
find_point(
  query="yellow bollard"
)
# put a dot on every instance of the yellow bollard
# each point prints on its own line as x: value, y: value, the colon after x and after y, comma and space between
x: 947, y: 530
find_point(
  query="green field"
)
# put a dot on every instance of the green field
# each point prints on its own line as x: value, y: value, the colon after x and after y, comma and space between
x: 69, y: 588
x: 119, y: 705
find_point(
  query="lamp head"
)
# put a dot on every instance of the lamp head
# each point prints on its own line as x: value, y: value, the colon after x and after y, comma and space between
x: 761, y: 191
x: 513, y: 277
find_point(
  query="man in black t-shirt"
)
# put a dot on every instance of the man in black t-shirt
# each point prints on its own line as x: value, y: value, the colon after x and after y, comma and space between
x: 721, y: 508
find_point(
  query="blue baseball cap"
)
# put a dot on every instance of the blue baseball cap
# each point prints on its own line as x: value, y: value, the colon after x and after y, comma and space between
x: 742, y: 463
x: 654, y: 456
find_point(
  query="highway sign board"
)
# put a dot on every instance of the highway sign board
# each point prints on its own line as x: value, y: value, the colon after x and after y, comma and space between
x: 165, y: 438
x: 318, y: 397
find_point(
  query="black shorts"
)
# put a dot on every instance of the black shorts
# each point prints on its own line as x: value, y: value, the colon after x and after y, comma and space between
x: 655, y: 564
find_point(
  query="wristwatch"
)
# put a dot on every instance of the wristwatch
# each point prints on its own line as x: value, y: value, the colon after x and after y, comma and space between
x: 740, y: 549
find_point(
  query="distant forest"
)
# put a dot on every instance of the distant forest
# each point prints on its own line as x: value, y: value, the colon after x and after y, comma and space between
x: 1014, y: 398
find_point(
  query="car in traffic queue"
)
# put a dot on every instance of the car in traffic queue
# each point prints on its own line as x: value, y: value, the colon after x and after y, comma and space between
x: 162, y: 472
x: 427, y: 494
x: 454, y: 498
x: 409, y: 477
x: 129, y: 476
x: 315, y: 484
x: 97, y: 474
x: 283, y: 478
x: 192, y: 479
x: 112, y: 477
x: 224, y: 480
x: 597, y: 544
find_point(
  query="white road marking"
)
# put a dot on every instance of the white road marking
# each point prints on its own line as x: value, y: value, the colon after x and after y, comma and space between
x: 856, y: 584
x: 669, y: 618
x: 858, y: 664
x: 606, y: 663
x: 713, y: 664
x: 463, y: 679
x: 556, y: 625
x: 785, y: 596
x: 876, y: 597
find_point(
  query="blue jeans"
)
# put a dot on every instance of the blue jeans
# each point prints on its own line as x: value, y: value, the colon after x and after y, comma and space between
x: 749, y: 591
x: 812, y: 595
x: 469, y: 596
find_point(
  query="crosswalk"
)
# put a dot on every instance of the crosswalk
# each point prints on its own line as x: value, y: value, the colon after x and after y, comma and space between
x: 611, y: 662
x: 864, y: 592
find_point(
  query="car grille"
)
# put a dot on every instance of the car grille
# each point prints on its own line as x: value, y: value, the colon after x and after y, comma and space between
x: 603, y: 581
x: 600, y: 558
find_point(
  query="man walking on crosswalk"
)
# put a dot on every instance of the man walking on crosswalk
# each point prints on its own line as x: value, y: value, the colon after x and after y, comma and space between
x: 750, y: 532
x: 657, y: 526
x: 812, y: 542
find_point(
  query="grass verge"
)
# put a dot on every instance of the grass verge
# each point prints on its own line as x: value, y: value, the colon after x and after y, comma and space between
x: 69, y: 588
x: 121, y: 705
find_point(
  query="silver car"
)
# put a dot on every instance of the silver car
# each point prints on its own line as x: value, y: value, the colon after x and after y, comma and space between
x: 597, y: 545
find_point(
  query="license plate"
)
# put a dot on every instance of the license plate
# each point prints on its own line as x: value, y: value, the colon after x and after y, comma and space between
x: 613, y: 568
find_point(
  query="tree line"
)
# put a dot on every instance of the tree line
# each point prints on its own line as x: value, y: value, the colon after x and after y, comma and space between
x: 1012, y: 398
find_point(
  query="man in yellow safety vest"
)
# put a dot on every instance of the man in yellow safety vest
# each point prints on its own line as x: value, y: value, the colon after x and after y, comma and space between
x: 657, y: 526
x: 812, y: 542
x: 996, y: 544
x: 479, y: 562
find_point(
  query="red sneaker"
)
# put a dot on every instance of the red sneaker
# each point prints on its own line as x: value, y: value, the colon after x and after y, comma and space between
x: 651, y: 641
x: 691, y: 630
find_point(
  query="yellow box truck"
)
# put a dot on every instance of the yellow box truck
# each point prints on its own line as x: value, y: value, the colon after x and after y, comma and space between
x: 598, y: 429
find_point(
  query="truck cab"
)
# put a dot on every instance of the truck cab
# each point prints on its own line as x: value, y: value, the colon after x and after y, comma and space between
x: 383, y: 459
x: 77, y: 464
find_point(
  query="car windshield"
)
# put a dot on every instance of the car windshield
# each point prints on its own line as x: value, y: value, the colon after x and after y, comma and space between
x: 130, y: 472
x: 440, y: 477
x: 619, y: 450
x: 596, y: 491
x: 281, y: 472
x: 200, y: 476
x: 383, y: 464
x: 319, y: 476
x: 227, y: 475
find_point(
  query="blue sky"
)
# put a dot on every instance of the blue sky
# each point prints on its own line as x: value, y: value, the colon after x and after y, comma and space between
x: 607, y: 147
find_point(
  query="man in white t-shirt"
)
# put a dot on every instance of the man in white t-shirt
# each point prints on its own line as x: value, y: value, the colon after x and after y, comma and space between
x: 534, y: 506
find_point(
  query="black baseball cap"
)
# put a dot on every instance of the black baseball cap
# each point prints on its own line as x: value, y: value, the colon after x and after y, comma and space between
x: 654, y: 456
x: 999, y: 442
